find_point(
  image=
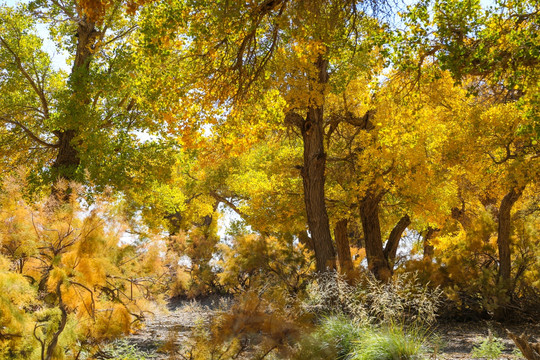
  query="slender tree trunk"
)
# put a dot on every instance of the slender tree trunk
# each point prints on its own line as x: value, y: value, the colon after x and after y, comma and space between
x: 313, y: 176
x: 377, y: 261
x: 343, y: 249
x: 61, y: 325
x: 463, y: 218
x: 392, y: 244
x: 503, y: 239
x: 428, y: 247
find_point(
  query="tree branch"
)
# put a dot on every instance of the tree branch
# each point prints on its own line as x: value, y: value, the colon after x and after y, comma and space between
x: 392, y: 244
x: 29, y: 133
x: 31, y: 81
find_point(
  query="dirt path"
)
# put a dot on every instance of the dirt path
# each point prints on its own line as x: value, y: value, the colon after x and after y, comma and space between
x: 171, y: 327
x: 459, y: 339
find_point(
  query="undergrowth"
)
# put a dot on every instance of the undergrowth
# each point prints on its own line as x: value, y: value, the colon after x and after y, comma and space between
x: 330, y: 320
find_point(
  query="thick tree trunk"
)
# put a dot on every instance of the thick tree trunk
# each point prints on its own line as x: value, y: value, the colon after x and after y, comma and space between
x: 313, y: 179
x: 390, y: 250
x: 67, y: 159
x: 503, y: 239
x: 343, y: 249
x: 369, y: 214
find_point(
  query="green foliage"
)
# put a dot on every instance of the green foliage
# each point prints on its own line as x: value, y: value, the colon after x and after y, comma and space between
x: 88, y: 124
x: 489, y: 348
x: 335, y: 337
x: 389, y: 344
x: 123, y: 350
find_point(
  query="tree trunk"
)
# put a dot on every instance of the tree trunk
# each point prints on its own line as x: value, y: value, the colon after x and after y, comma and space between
x: 503, y: 239
x: 343, y: 249
x: 61, y: 325
x: 428, y: 247
x: 390, y: 250
x: 463, y: 218
x: 313, y: 179
x: 67, y: 159
x: 369, y: 214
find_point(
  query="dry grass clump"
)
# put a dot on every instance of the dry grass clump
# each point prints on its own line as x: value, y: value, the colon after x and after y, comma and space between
x: 402, y: 300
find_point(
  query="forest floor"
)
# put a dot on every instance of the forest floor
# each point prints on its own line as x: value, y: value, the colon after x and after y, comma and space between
x: 171, y: 328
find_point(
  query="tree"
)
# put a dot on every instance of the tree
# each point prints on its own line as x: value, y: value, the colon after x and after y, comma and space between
x: 75, y: 285
x: 80, y: 122
x: 235, y: 53
x: 493, y: 54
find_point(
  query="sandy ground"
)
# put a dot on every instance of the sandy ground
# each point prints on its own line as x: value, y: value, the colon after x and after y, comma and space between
x: 456, y: 339
x: 171, y: 327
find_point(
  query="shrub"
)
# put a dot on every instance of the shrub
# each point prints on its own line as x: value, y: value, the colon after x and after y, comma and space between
x: 68, y: 281
x: 403, y: 300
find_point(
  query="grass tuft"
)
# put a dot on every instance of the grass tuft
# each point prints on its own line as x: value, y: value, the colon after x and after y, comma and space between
x: 393, y: 343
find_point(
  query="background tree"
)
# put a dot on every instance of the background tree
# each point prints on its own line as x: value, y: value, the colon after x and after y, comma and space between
x: 87, y: 120
x: 242, y: 54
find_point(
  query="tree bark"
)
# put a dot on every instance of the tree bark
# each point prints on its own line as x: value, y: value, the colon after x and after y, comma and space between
x: 343, y: 249
x: 313, y: 177
x: 462, y: 217
x: 67, y: 159
x: 503, y: 239
x: 428, y: 247
x: 390, y: 250
x: 61, y: 325
x: 377, y: 261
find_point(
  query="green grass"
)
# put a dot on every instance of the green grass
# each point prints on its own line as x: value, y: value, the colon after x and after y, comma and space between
x: 490, y: 348
x: 393, y: 343
x: 340, y: 338
x: 335, y: 338
x: 123, y: 350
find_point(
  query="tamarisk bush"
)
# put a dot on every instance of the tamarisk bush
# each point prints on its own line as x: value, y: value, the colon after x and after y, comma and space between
x: 70, y: 279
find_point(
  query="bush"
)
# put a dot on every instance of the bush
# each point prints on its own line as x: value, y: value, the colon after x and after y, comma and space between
x: 403, y: 300
x: 68, y: 280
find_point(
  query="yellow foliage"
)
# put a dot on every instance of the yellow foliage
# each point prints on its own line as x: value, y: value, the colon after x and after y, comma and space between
x: 70, y: 278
